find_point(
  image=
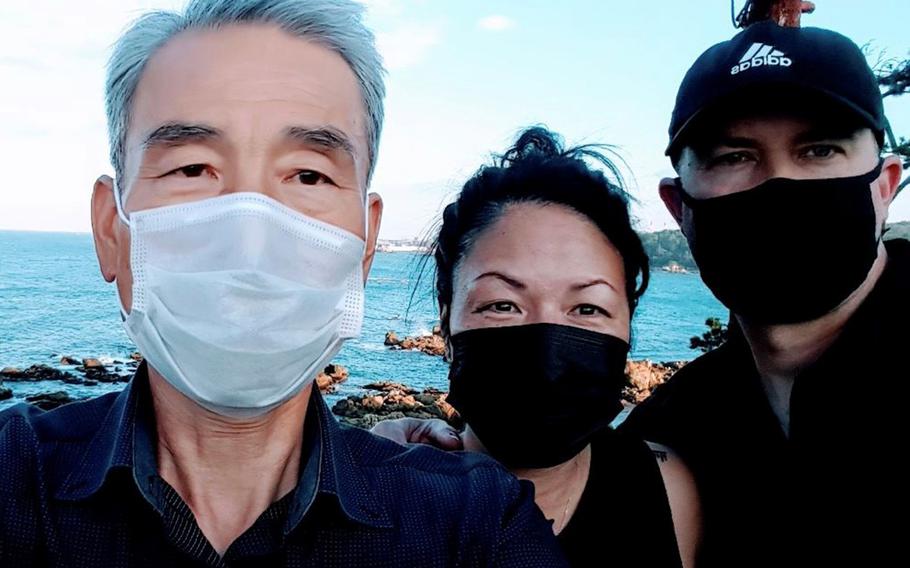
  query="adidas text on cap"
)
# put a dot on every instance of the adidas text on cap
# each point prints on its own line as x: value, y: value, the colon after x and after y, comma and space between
x: 764, y: 55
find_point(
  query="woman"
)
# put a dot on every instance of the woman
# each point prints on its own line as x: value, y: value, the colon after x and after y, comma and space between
x: 538, y: 272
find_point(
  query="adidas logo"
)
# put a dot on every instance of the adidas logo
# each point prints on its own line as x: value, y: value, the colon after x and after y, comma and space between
x: 760, y: 54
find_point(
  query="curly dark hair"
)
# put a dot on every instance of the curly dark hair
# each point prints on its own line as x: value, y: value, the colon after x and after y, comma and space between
x: 537, y: 169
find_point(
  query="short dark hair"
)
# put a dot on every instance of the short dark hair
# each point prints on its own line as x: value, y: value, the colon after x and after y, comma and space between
x: 537, y: 169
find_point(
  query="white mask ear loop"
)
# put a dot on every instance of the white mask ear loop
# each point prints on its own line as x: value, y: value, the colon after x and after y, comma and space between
x: 117, y: 201
x: 366, y: 219
x: 125, y: 220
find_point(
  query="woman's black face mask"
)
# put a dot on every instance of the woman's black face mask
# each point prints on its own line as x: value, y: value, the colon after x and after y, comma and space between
x: 787, y: 250
x: 536, y: 394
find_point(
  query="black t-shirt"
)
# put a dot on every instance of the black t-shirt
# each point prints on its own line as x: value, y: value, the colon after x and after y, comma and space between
x: 832, y: 494
x: 623, y: 518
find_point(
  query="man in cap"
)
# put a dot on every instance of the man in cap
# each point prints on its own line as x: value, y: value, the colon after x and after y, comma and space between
x: 791, y: 427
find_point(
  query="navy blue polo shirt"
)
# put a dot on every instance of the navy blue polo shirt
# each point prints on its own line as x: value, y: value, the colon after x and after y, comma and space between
x: 79, y: 487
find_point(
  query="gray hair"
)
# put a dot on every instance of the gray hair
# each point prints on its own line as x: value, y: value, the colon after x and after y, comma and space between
x: 334, y: 24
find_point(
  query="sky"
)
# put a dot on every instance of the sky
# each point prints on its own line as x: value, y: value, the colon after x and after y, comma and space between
x: 464, y: 76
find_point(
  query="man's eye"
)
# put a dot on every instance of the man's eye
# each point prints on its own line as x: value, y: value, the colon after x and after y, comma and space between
x: 312, y: 177
x: 191, y: 171
x: 820, y: 151
x: 730, y: 159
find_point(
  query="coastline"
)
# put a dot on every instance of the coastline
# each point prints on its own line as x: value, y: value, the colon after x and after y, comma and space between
x: 71, y: 379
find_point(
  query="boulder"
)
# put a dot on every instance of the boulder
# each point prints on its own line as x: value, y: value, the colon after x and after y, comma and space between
x: 432, y: 344
x: 6, y: 393
x: 35, y: 373
x: 67, y: 360
x: 395, y: 401
x: 50, y: 400
x: 331, y: 376
x: 644, y: 376
x: 92, y: 363
x: 386, y: 386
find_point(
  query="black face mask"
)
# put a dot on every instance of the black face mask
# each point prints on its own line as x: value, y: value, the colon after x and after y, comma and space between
x: 787, y: 250
x: 536, y: 394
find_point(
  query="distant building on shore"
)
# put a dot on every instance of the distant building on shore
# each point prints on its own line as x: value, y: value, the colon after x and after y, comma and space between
x: 675, y: 268
x: 402, y: 245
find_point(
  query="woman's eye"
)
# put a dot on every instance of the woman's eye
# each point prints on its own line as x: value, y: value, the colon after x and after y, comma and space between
x: 590, y: 310
x: 500, y: 308
x: 312, y: 177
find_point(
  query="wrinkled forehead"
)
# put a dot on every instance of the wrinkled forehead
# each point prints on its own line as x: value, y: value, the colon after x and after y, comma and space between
x: 247, y: 80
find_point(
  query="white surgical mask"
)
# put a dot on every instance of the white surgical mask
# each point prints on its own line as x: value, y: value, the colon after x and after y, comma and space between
x: 240, y: 301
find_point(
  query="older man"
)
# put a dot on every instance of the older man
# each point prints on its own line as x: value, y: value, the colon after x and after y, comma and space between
x: 239, y: 234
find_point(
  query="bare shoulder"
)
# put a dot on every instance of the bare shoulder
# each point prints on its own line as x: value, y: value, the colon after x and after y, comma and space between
x: 682, y: 495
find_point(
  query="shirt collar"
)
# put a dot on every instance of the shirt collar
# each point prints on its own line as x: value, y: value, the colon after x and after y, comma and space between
x: 328, y: 466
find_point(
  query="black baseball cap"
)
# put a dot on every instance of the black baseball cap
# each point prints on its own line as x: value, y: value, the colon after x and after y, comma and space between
x: 766, y: 55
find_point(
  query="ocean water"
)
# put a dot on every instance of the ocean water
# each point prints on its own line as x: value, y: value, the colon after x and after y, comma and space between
x: 54, y: 302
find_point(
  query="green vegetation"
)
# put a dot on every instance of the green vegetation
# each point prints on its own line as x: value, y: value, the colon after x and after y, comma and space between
x: 898, y: 230
x: 711, y: 339
x: 894, y: 81
x: 666, y: 248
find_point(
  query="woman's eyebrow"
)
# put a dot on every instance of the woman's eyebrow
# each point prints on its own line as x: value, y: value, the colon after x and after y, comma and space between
x: 595, y: 282
x: 513, y: 282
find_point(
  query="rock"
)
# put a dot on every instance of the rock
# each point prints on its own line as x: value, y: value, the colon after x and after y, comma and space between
x: 67, y: 360
x: 372, y: 402
x: 50, y: 400
x: 386, y: 386
x: 89, y: 383
x: 92, y: 363
x: 367, y: 421
x: 35, y: 373
x: 644, y: 376
x: 6, y: 393
x: 324, y: 383
x: 395, y: 401
x: 102, y: 375
x: 426, y: 399
x: 337, y: 372
x: 432, y: 344
x: 331, y: 376
x: 137, y: 356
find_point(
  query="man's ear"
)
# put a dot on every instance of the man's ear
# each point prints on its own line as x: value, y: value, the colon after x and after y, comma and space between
x: 374, y: 211
x: 104, y: 226
x: 670, y: 194
x: 890, y: 179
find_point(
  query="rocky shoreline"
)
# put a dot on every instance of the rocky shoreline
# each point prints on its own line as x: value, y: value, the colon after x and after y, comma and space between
x: 382, y: 400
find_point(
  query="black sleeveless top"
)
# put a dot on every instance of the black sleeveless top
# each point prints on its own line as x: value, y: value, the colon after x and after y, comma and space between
x: 623, y: 518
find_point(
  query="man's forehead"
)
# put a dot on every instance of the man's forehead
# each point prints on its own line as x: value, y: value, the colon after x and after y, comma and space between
x: 777, y: 123
x: 215, y: 76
